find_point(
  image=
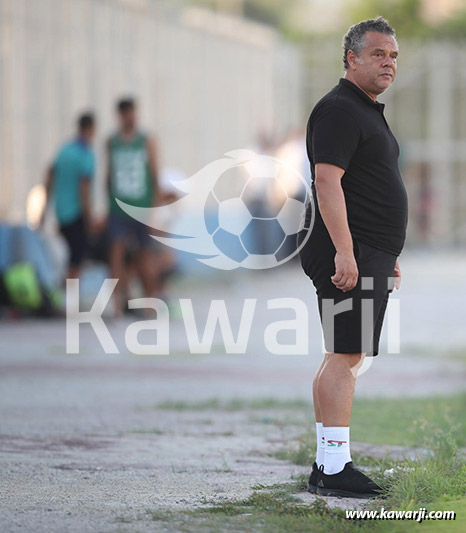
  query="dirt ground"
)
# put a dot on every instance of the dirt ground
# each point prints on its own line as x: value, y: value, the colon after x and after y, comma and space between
x: 90, y: 442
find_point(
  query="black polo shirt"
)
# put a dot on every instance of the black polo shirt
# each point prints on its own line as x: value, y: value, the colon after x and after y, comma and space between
x: 348, y: 129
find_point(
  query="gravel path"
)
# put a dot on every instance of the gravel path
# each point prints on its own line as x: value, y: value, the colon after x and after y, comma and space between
x: 84, y: 447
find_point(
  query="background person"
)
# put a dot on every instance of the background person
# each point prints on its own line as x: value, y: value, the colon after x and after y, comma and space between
x: 69, y: 180
x: 132, y: 177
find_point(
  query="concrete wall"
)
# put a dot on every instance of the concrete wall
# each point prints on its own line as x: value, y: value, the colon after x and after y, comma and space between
x: 207, y: 83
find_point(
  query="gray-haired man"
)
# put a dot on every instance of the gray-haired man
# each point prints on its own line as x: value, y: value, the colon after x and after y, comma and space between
x: 359, y: 231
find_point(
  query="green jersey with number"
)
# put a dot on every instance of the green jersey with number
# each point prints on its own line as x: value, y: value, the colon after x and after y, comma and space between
x: 130, y: 178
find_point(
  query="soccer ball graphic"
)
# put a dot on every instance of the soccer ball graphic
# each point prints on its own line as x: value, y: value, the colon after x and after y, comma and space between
x: 252, y: 218
x: 244, y: 210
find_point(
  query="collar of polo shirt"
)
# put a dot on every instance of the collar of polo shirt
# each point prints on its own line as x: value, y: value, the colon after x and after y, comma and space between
x: 346, y: 83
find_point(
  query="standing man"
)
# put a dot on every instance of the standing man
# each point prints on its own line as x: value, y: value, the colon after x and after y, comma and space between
x: 359, y: 231
x: 69, y: 181
x: 132, y: 178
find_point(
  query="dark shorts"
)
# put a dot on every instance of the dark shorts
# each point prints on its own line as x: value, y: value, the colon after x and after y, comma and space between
x: 135, y: 234
x: 357, y: 329
x: 76, y: 238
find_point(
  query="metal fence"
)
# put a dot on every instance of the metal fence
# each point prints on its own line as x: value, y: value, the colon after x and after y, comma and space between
x: 207, y: 83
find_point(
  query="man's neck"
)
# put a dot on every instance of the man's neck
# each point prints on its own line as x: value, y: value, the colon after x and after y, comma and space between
x: 82, y: 139
x: 354, y: 82
x: 129, y: 133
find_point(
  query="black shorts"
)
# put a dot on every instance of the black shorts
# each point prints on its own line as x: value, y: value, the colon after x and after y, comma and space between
x: 357, y: 329
x: 76, y: 238
x: 135, y: 234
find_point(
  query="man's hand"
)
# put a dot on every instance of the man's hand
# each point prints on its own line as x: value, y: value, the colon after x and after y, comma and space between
x: 346, y: 271
x: 42, y: 217
x: 96, y: 226
x: 397, y: 276
x: 164, y: 198
x: 48, y: 189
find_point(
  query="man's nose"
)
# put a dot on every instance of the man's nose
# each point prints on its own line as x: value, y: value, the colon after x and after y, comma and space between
x: 389, y: 62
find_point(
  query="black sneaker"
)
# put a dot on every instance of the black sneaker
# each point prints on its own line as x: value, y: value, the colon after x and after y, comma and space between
x: 349, y: 483
x: 312, y: 484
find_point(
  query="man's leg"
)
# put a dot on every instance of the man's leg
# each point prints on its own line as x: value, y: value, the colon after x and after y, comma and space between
x: 74, y: 271
x: 76, y: 239
x: 165, y: 261
x: 320, y: 447
x: 315, y: 396
x: 146, y: 269
x: 334, y: 389
x: 149, y: 272
x: 117, y: 270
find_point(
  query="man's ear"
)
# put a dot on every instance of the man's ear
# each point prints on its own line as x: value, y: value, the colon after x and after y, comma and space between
x: 352, y: 59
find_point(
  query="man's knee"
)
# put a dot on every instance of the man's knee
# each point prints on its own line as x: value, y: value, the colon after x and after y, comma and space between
x: 117, y: 250
x: 352, y: 360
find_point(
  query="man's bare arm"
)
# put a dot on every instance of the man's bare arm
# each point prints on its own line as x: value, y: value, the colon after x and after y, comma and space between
x: 85, y: 190
x: 153, y: 168
x: 49, y: 176
x: 332, y: 207
x: 108, y: 168
x: 397, y: 276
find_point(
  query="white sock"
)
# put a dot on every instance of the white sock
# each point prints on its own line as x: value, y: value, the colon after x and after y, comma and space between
x: 337, y: 449
x: 320, y: 444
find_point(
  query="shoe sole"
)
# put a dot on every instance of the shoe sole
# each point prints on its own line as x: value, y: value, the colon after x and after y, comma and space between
x: 312, y: 489
x: 321, y: 491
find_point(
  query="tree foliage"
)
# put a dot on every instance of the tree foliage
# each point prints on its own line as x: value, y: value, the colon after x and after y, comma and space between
x: 404, y: 15
x: 407, y: 17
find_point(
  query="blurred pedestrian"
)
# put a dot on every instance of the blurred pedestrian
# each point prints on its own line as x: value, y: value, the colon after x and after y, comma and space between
x: 68, y: 180
x: 132, y: 177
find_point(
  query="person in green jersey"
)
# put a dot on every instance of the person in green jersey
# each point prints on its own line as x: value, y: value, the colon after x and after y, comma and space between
x: 132, y: 178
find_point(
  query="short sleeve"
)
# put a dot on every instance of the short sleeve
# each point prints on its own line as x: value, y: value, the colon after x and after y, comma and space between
x: 88, y: 165
x: 335, y: 137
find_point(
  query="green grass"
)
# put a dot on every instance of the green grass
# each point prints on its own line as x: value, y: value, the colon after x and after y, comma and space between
x: 236, y: 404
x: 274, y: 509
x: 301, y: 453
x: 285, y: 420
x: 446, y: 526
x: 402, y: 421
x: 457, y: 355
x: 397, y: 421
x: 437, y: 482
x: 391, y: 421
x: 422, y: 482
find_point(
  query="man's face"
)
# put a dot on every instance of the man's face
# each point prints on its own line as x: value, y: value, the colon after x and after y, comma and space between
x: 128, y: 118
x: 91, y: 133
x: 88, y: 134
x: 375, y: 68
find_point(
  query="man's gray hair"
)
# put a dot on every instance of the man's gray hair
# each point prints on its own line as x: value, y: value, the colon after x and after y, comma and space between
x: 354, y: 39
